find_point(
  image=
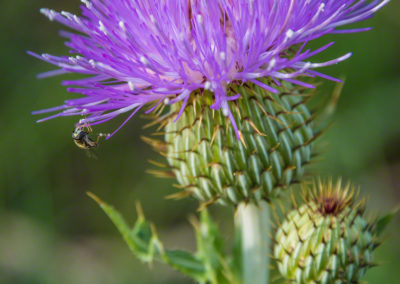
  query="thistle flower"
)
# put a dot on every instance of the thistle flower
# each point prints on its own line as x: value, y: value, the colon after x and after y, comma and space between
x: 216, y: 64
x: 151, y: 52
x: 328, y: 239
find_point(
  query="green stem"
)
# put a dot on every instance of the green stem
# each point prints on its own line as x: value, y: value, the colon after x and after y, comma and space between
x: 253, y: 224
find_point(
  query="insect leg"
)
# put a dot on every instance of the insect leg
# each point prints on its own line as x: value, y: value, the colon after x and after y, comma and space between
x: 102, y: 135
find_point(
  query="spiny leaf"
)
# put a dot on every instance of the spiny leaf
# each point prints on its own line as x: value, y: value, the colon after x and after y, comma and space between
x: 184, y: 262
x: 385, y: 220
x: 211, y: 250
x: 144, y: 243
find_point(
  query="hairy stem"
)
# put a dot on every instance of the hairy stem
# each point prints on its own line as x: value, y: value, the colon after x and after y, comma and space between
x: 253, y: 224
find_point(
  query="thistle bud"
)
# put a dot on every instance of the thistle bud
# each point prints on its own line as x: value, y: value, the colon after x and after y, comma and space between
x: 275, y: 134
x: 326, y: 240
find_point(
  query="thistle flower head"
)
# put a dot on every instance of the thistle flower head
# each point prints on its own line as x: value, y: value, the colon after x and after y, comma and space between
x: 151, y: 52
x: 327, y: 239
x: 330, y: 199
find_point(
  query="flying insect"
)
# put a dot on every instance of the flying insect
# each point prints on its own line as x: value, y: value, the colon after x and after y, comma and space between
x: 82, y: 139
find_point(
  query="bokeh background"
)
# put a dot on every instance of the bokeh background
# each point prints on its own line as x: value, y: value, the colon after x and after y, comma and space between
x: 51, y: 232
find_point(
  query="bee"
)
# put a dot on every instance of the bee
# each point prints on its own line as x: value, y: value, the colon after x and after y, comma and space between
x: 82, y: 139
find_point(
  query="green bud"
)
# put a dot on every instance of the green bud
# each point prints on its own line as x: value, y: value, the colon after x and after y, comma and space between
x: 327, y: 240
x: 211, y: 164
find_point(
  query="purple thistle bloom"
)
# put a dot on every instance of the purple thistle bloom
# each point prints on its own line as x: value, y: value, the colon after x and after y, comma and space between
x: 138, y: 52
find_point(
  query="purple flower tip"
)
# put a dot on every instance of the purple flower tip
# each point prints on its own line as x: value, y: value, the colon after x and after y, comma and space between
x: 137, y: 52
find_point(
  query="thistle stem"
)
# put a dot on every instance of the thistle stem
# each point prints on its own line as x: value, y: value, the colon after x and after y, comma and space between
x: 253, y: 224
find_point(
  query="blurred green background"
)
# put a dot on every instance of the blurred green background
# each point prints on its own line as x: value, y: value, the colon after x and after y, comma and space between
x: 51, y: 232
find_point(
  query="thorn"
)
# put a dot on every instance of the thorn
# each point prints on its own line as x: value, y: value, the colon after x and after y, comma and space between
x: 139, y: 210
x: 252, y: 124
x: 160, y: 119
x: 180, y: 195
x: 204, y: 205
x: 95, y: 198
x: 161, y: 174
x: 216, y: 128
x: 273, y: 149
x: 242, y: 139
x: 158, y: 145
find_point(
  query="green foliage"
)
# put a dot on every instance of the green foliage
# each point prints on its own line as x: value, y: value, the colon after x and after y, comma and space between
x: 211, y: 251
x: 385, y: 220
x: 210, y: 264
x: 144, y: 244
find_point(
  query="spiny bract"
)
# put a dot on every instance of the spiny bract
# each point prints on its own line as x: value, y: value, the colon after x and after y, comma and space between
x: 327, y: 240
x: 276, y: 132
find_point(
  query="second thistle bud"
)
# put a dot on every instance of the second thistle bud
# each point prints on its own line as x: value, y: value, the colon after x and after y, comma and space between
x: 327, y: 240
x: 211, y: 164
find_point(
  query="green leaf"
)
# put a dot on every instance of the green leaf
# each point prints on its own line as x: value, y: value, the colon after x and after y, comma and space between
x: 144, y: 244
x: 185, y: 262
x: 211, y: 250
x: 385, y: 220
